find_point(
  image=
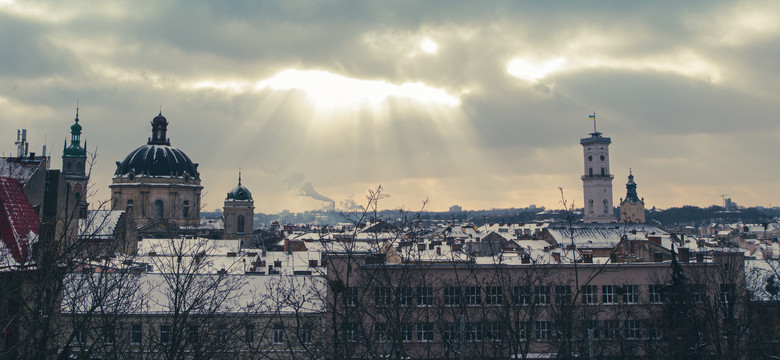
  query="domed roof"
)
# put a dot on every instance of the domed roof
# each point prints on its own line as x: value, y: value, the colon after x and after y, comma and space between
x: 239, y: 192
x: 158, y: 157
x: 157, y: 160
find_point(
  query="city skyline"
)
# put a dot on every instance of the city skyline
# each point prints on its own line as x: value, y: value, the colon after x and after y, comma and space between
x: 470, y: 104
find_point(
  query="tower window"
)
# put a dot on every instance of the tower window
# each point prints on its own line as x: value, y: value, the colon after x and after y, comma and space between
x: 590, y: 171
x: 590, y: 205
x: 605, y: 206
x: 159, y: 210
x: 186, y: 209
x: 240, y: 224
x: 603, y: 172
x: 129, y: 207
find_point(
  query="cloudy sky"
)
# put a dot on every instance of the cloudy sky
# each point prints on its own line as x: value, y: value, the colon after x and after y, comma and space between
x: 480, y: 104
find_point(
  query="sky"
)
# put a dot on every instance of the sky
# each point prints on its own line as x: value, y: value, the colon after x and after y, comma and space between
x: 477, y: 104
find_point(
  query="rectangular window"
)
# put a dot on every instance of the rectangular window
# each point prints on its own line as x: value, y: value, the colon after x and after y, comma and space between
x: 542, y: 330
x: 493, y: 331
x: 728, y: 293
x: 136, y: 334
x: 81, y: 337
x: 405, y: 296
x: 523, y: 330
x: 542, y: 295
x: 451, y: 296
x: 306, y: 334
x: 352, y: 332
x: 278, y: 333
x: 603, y: 172
x: 562, y: 295
x: 590, y: 294
x: 630, y: 294
x: 655, y: 293
x: 424, y: 331
x: 424, y: 296
x: 697, y: 293
x: 108, y: 334
x: 633, y: 329
x: 351, y: 295
x: 222, y: 333
x: 165, y: 334
x: 522, y: 295
x: 608, y: 294
x: 382, y: 296
x: 249, y: 333
x: 473, y: 295
x: 474, y: 331
x: 380, y: 332
x: 449, y: 331
x: 592, y: 326
x: 611, y: 329
x: 407, y: 330
x: 186, y: 209
x: 129, y: 207
x: 192, y: 334
x: 494, y: 295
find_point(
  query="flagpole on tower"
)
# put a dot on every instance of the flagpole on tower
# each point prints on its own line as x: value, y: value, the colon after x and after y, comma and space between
x: 593, y: 116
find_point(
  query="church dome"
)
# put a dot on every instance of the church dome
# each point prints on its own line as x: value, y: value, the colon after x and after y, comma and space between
x: 239, y: 192
x: 158, y: 157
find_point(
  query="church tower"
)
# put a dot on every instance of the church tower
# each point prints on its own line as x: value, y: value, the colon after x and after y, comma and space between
x: 74, y: 161
x: 238, y: 214
x: 597, y: 180
x: 632, y: 209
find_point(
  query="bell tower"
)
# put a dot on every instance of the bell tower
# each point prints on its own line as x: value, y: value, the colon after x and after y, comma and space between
x: 238, y: 214
x: 74, y: 161
x: 597, y: 180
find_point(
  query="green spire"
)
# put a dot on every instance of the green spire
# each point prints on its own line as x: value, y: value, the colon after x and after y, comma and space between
x: 75, y: 149
x: 631, y: 195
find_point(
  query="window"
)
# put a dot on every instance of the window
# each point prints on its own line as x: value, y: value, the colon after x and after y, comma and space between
x: 697, y: 293
x: 380, y: 332
x: 592, y: 326
x: 159, y: 210
x: 424, y: 331
x: 727, y: 293
x: 424, y: 296
x: 630, y: 294
x: 451, y: 296
x: 562, y: 295
x: 542, y: 330
x: 407, y: 330
x: 186, y: 209
x: 542, y: 295
x: 136, y: 334
x: 473, y: 295
x: 382, y: 296
x: 633, y: 329
x: 523, y: 330
x: 192, y: 334
x: 473, y: 331
x: 81, y: 337
x: 603, y: 172
x: 306, y: 334
x: 608, y: 294
x: 129, y: 207
x: 222, y: 333
x: 352, y: 331
x: 611, y: 329
x: 108, y: 334
x: 165, y: 334
x: 249, y: 333
x: 278, y: 333
x: 522, y: 295
x: 590, y: 171
x: 656, y: 296
x: 590, y: 294
x: 449, y: 331
x: 493, y: 331
x: 240, y: 224
x: 405, y: 296
x: 494, y: 295
x: 351, y: 295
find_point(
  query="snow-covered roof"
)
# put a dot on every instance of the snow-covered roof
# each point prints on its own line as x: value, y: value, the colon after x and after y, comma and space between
x: 18, y: 224
x: 99, y: 224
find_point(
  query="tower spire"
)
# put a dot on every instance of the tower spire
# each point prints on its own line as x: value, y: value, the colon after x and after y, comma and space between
x: 239, y: 176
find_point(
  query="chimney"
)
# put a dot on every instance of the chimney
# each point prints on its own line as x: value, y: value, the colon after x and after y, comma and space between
x: 685, y: 254
x: 655, y: 239
x: 557, y: 257
x: 286, y: 245
x: 525, y: 259
x: 587, y: 257
x: 699, y: 257
x: 438, y: 250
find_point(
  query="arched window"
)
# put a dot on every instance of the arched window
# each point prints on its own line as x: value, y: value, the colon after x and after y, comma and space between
x: 240, y: 224
x: 158, y: 209
x: 605, y: 206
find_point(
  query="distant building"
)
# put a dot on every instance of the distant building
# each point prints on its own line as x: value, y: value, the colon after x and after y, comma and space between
x: 158, y: 184
x: 238, y: 214
x: 456, y: 208
x: 597, y: 180
x: 74, y: 162
x: 632, y: 209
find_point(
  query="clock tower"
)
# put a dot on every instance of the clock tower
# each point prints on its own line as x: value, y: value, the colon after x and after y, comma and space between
x: 597, y: 180
x: 74, y: 161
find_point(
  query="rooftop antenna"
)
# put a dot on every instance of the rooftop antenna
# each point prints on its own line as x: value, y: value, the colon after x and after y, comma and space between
x: 723, y: 197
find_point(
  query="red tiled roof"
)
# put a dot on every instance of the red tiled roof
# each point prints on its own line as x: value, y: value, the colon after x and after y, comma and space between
x: 17, y: 219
